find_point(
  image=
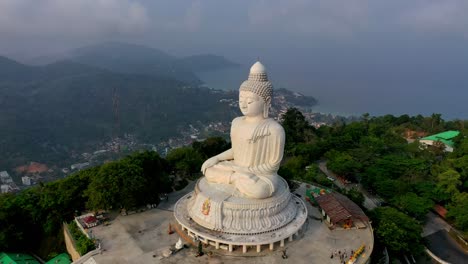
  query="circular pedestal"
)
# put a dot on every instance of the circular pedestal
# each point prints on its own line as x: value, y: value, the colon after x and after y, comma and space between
x: 221, y: 207
x: 224, y: 219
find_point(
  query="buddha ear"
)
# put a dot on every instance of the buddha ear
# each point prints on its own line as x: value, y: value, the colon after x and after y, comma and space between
x: 266, y: 107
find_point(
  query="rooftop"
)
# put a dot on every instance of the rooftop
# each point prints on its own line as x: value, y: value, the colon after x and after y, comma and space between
x: 339, y: 207
x: 444, y: 137
x: 60, y: 259
x: 17, y: 258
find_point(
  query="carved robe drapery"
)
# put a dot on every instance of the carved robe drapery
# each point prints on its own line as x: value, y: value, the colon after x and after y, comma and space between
x: 260, y: 152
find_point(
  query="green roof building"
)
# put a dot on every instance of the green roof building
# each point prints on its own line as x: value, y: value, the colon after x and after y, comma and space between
x: 17, y: 258
x: 444, y: 137
x: 63, y: 258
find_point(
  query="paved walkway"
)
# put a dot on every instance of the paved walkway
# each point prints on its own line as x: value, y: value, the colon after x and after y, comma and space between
x: 434, y: 224
x: 143, y: 238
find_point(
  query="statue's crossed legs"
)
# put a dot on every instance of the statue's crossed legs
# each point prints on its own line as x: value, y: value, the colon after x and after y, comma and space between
x: 249, y: 184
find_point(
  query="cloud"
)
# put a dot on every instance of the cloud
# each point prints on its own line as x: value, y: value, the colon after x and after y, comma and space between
x: 439, y: 17
x: 173, y: 16
x: 320, y: 17
x: 75, y: 18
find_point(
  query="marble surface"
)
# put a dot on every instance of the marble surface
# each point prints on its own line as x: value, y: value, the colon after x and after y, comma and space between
x: 251, y: 165
x: 222, y: 208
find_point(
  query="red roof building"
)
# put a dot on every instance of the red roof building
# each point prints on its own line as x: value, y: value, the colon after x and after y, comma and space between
x: 339, y: 209
x: 32, y: 167
x: 90, y: 221
x: 440, y: 210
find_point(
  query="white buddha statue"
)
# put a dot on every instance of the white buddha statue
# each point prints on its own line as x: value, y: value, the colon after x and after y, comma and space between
x: 252, y: 163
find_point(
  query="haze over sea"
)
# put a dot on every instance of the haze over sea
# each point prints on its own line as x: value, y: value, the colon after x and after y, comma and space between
x: 354, y: 56
x: 345, y: 96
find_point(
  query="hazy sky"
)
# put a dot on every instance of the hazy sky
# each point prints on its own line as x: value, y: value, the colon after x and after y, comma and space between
x: 354, y: 55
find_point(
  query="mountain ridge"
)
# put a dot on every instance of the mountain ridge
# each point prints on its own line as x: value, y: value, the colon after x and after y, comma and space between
x: 131, y: 58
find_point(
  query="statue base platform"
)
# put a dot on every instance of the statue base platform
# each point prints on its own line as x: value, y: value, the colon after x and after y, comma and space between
x: 216, y: 215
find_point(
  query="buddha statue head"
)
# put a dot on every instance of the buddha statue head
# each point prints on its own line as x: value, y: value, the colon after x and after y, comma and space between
x: 256, y: 92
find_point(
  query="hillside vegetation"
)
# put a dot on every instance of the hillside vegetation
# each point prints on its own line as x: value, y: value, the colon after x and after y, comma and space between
x: 46, y: 112
x: 384, y: 155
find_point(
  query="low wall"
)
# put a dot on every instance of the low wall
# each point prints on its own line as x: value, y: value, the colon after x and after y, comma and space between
x: 70, y: 243
x: 436, y: 258
x: 88, y: 255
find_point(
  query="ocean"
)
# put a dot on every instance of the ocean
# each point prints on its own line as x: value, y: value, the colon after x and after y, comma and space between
x: 349, y: 94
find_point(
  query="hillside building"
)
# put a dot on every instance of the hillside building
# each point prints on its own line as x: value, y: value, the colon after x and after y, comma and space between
x: 26, y: 180
x: 445, y: 138
x: 17, y: 258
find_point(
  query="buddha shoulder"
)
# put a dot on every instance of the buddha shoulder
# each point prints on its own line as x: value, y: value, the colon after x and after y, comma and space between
x: 237, y: 120
x: 275, y: 127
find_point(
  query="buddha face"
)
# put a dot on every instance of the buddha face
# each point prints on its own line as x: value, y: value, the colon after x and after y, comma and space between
x: 251, y: 104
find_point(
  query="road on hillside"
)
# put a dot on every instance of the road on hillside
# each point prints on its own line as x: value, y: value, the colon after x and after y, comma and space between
x: 440, y: 242
x: 369, y: 201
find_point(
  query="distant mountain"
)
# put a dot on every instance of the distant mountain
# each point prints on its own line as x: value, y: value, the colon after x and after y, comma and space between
x: 133, y: 59
x: 138, y: 59
x: 296, y: 99
x: 206, y: 62
x: 15, y: 72
x: 11, y: 70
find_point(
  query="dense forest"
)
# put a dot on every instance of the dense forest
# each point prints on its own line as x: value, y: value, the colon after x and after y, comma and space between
x: 382, y: 154
x: 49, y: 112
x: 377, y: 152
x: 30, y: 219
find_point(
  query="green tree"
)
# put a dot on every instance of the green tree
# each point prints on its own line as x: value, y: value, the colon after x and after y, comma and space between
x: 458, y: 211
x: 310, y: 152
x: 211, y: 146
x: 399, y: 232
x: 342, y: 163
x: 356, y: 196
x: 12, y: 218
x: 425, y: 189
x: 117, y: 185
x: 448, y: 183
x: 185, y: 160
x: 84, y: 245
x: 313, y: 174
x: 296, y: 128
x: 293, y: 168
x: 414, y: 205
x: 156, y: 175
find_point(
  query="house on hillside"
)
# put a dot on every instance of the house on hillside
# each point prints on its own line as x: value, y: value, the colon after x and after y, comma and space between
x: 7, y: 184
x: 26, y: 180
x: 79, y: 166
x: 5, y: 177
x: 5, y: 188
x: 445, y: 138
